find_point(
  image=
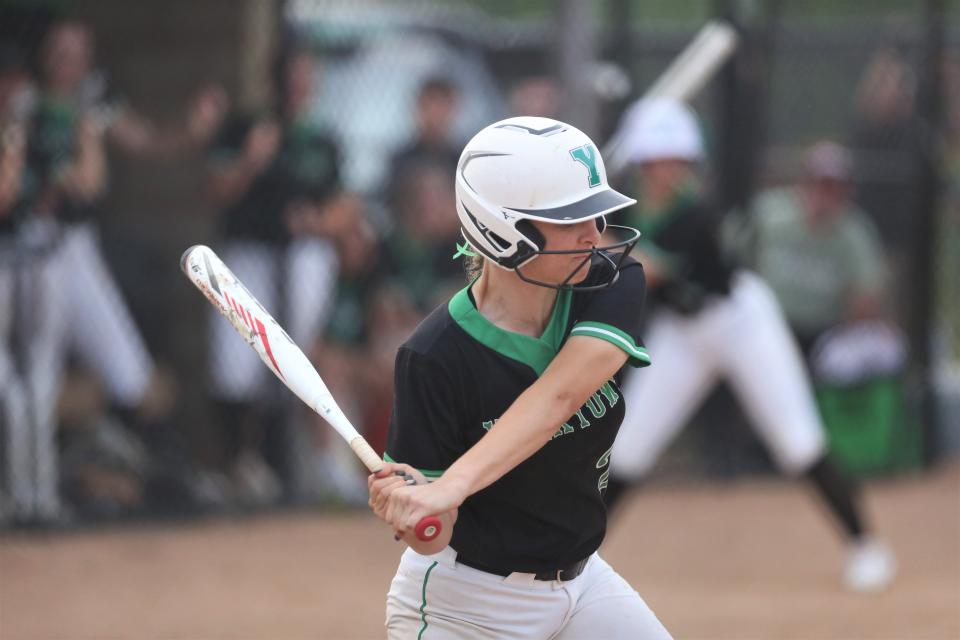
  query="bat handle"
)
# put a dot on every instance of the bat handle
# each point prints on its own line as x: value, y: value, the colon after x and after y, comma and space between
x: 428, y: 528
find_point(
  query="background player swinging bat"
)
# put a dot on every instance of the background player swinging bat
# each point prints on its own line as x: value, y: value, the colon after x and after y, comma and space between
x: 275, y: 348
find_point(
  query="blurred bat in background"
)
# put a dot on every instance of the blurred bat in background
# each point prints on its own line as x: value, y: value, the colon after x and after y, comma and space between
x: 682, y: 80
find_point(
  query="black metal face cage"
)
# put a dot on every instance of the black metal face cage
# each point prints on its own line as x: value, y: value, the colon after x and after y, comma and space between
x: 615, y: 261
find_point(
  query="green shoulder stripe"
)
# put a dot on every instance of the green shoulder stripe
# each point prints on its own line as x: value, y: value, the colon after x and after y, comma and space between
x: 638, y: 356
x: 427, y: 472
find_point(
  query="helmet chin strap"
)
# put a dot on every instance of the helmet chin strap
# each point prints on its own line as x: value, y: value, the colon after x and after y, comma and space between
x: 614, y: 261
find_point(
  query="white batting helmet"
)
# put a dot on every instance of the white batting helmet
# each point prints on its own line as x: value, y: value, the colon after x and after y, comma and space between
x: 524, y: 169
x: 660, y: 129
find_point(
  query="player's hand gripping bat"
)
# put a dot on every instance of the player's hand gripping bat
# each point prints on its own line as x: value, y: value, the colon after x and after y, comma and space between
x: 225, y: 292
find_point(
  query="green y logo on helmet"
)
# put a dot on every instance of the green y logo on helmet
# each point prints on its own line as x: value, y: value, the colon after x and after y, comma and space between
x: 587, y: 156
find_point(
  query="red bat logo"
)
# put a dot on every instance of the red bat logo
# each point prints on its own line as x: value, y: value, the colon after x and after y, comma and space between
x: 255, y: 325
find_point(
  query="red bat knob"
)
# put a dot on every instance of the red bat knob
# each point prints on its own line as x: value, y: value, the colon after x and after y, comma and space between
x: 428, y: 528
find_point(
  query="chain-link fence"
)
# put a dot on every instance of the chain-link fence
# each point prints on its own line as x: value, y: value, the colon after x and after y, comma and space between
x: 312, y: 144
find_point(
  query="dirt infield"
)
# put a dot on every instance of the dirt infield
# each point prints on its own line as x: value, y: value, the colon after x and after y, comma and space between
x: 747, y: 560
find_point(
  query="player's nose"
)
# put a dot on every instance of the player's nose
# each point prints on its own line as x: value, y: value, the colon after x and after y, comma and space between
x: 588, y: 234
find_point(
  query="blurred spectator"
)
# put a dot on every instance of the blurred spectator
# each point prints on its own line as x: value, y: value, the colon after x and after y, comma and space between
x: 71, y: 87
x: 418, y: 271
x: 436, y: 109
x: 384, y: 291
x: 71, y: 119
x: 886, y: 140
x: 417, y: 257
x: 39, y: 287
x: 535, y: 96
x: 19, y: 497
x: 425, y: 237
x: 274, y: 177
x: 818, y: 251
x: 824, y: 260
x: 355, y: 354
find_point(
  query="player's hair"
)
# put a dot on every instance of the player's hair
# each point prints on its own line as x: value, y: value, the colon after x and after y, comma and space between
x: 473, y: 266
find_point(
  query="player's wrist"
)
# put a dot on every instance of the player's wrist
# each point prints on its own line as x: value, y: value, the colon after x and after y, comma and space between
x: 458, y: 483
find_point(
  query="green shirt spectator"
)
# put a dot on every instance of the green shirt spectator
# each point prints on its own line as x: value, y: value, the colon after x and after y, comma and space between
x: 821, y: 254
x: 815, y: 270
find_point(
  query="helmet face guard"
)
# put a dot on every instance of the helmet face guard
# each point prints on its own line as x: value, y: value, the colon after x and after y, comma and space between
x: 606, y: 253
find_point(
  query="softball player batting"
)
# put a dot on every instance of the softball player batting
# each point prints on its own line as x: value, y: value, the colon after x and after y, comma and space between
x: 714, y: 321
x: 508, y: 398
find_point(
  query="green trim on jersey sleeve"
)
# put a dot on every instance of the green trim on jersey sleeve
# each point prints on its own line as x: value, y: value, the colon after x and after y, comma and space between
x: 638, y: 356
x: 426, y: 472
x: 533, y: 352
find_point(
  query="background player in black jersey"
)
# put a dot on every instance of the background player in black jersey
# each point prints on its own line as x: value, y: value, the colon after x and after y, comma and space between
x: 710, y: 320
x: 508, y: 397
x: 274, y: 176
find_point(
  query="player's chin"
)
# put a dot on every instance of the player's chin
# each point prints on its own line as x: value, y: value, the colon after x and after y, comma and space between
x: 569, y: 274
x: 571, y: 277
x: 559, y: 272
x: 580, y: 270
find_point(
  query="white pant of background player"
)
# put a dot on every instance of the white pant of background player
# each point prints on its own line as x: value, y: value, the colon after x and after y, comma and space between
x: 67, y: 298
x: 100, y: 326
x: 24, y: 495
x: 742, y: 338
x: 32, y: 330
x: 296, y: 283
x: 435, y: 598
x: 306, y: 273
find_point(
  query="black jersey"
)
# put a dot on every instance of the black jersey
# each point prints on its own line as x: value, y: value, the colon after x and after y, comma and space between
x: 51, y: 147
x: 305, y: 167
x: 685, y: 239
x: 458, y: 373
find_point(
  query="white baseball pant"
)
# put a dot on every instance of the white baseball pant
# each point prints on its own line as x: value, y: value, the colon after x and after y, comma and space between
x: 30, y: 396
x: 434, y: 598
x: 742, y: 338
x: 13, y: 401
x: 101, y: 327
x: 307, y: 271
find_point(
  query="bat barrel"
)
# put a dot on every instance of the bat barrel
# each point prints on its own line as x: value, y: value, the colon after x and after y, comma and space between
x: 278, y: 352
x: 186, y: 256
